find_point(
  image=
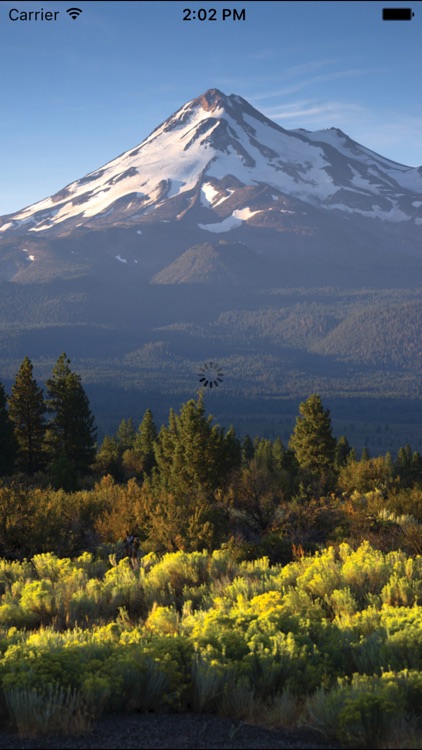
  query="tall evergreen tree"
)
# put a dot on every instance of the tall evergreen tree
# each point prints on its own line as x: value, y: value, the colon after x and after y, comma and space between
x: 278, y: 454
x: 342, y: 451
x: 71, y: 432
x: 116, y: 455
x: 352, y: 457
x: 8, y: 443
x: 312, y: 440
x: 125, y: 435
x: 389, y: 464
x: 264, y: 453
x: 109, y: 459
x: 230, y: 451
x: 194, y: 459
x: 416, y: 466
x: 26, y: 410
x: 248, y: 450
x: 403, y: 464
x: 145, y: 441
x: 192, y: 454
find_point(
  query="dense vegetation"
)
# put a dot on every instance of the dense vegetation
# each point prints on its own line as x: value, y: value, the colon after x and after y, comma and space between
x: 276, y: 582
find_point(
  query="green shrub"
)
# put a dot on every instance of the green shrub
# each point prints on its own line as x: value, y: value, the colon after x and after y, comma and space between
x: 38, y: 598
x: 238, y: 698
x: 51, y: 710
x: 95, y: 693
x: 403, y: 647
x: 282, y: 710
x: 207, y: 686
x: 11, y: 572
x: 361, y: 711
x: 166, y: 581
x: 12, y: 615
x: 51, y: 567
x: 164, y: 620
x: 201, y: 631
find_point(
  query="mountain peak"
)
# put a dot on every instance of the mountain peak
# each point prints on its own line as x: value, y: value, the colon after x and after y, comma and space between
x: 211, y: 100
x: 215, y: 155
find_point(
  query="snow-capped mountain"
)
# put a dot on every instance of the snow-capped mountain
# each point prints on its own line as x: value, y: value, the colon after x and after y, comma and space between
x: 286, y: 256
x: 220, y: 157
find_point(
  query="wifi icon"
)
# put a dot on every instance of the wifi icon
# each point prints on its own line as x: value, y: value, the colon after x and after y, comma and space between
x: 74, y: 12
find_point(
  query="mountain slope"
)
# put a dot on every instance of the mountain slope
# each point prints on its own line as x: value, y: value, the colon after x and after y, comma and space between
x: 293, y: 257
x: 222, y: 264
x: 215, y: 145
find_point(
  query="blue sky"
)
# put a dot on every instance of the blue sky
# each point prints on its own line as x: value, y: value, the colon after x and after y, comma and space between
x: 76, y: 94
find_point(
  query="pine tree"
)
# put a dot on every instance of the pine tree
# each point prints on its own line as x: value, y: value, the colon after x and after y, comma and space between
x: 352, y: 457
x: 193, y: 459
x: 26, y: 410
x: 109, y: 459
x: 416, y: 466
x: 364, y: 456
x: 71, y: 432
x: 248, y: 450
x: 8, y: 443
x: 403, y: 464
x: 230, y: 451
x: 192, y: 454
x: 125, y: 435
x: 264, y: 453
x: 342, y: 451
x: 389, y: 464
x: 312, y: 440
x: 278, y: 454
x: 145, y: 441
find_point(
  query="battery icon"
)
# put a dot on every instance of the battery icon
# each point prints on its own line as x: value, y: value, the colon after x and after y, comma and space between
x: 397, y: 14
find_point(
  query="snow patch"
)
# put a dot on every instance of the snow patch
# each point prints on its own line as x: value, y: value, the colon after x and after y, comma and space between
x: 222, y: 226
x: 208, y: 194
x: 360, y: 181
x: 138, y: 231
x: 99, y: 203
x: 230, y: 222
x: 122, y: 260
x: 395, y: 214
x: 244, y: 213
x: 175, y: 188
x: 416, y: 204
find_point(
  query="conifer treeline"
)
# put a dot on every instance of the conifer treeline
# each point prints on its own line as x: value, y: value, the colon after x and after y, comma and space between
x: 191, y: 485
x: 56, y: 434
x: 30, y: 442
